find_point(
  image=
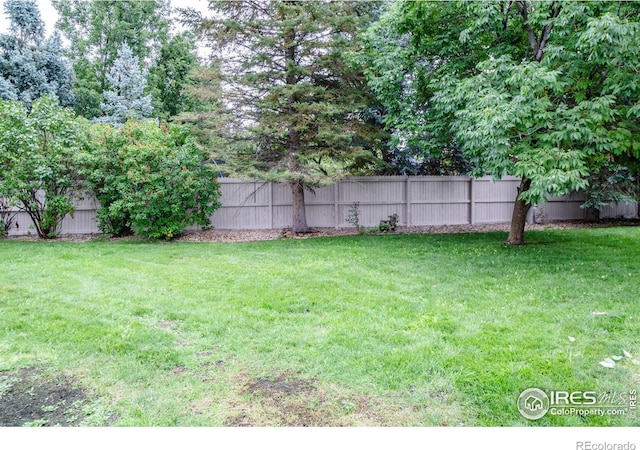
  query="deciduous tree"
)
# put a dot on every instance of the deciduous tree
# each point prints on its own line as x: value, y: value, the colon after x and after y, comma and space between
x: 169, y: 77
x: 542, y: 90
x: 37, y: 168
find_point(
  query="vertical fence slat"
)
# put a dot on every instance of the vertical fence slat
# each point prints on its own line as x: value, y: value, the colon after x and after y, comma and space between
x: 270, y: 205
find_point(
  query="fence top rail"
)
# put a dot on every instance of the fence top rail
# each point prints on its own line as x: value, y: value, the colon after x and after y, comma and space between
x: 398, y: 178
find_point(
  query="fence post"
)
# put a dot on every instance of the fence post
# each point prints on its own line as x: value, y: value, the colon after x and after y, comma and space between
x: 472, y: 201
x: 336, y: 204
x: 270, y: 204
x: 408, y: 200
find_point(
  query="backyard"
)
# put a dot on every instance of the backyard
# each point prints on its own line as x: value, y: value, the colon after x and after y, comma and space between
x: 390, y: 330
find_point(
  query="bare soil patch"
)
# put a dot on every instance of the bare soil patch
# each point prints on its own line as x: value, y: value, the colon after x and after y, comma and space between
x: 281, y: 387
x: 287, y: 400
x: 28, y: 398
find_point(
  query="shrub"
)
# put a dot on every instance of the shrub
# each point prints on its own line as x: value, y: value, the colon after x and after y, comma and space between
x: 386, y: 226
x: 37, y: 170
x: 151, y: 180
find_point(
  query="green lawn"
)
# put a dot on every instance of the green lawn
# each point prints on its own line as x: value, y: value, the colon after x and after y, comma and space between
x: 407, y: 330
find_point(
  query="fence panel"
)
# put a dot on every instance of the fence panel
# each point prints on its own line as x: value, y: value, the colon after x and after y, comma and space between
x: 624, y: 211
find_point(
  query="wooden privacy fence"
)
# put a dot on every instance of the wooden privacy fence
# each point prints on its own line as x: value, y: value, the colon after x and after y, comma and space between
x: 418, y: 201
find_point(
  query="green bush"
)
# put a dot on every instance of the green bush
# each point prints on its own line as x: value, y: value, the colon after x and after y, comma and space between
x: 150, y: 180
x: 38, y: 174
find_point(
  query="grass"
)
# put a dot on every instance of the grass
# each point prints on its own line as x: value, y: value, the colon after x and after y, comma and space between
x: 408, y: 330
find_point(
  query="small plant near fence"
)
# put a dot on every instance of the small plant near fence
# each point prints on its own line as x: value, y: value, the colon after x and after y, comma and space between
x: 388, y: 225
x: 385, y: 226
x: 7, y: 216
x: 354, y: 216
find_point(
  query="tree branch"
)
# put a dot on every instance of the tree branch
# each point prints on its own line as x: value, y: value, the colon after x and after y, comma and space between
x: 505, y: 11
x: 538, y: 44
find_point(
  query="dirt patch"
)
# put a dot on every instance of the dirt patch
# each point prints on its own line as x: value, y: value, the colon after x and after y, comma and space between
x: 286, y: 400
x: 279, y: 388
x: 28, y: 398
x: 180, y: 370
x: 281, y: 401
x: 167, y: 325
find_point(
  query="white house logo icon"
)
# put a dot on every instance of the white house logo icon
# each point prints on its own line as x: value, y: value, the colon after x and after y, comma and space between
x: 533, y: 403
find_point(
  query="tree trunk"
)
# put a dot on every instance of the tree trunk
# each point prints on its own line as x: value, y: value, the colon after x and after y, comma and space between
x: 519, y: 218
x: 299, y: 219
x: 592, y: 214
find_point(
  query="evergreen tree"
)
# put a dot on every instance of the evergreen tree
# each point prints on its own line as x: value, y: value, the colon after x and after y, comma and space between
x: 30, y: 65
x: 295, y: 103
x: 204, y: 112
x: 97, y: 29
x: 125, y: 99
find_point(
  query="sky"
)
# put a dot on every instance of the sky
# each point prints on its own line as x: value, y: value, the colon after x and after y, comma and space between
x: 50, y: 16
x: 47, y: 12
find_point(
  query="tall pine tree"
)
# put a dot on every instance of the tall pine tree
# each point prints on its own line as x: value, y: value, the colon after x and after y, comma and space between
x: 125, y: 98
x: 295, y: 103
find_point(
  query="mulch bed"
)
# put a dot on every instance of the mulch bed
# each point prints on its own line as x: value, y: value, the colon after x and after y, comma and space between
x: 219, y: 235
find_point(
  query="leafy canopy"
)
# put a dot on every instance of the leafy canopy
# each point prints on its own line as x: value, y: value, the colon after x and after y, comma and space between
x: 97, y: 29
x: 546, y: 91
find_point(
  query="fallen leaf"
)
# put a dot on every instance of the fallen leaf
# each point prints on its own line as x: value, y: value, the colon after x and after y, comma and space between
x: 608, y: 365
x: 616, y: 357
x: 627, y: 354
x: 572, y: 339
x: 599, y: 313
